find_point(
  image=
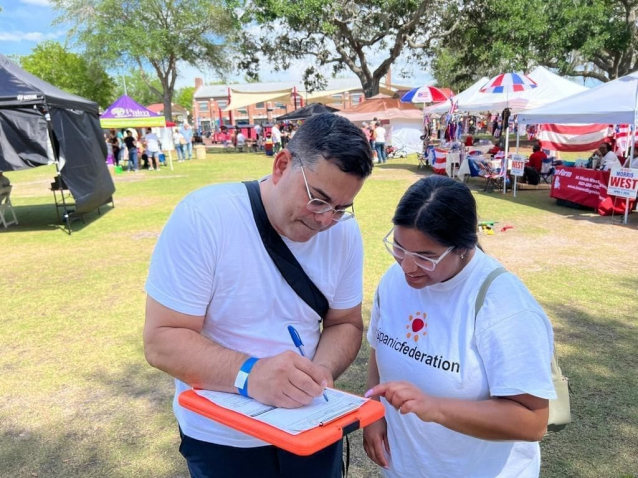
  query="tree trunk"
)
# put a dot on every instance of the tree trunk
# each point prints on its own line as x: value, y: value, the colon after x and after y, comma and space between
x: 371, y: 87
x: 168, y: 107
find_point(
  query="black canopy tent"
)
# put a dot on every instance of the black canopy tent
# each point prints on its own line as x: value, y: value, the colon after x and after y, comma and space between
x: 41, y: 124
x: 306, y: 112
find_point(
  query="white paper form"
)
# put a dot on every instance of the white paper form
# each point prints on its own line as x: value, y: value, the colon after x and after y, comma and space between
x: 290, y: 420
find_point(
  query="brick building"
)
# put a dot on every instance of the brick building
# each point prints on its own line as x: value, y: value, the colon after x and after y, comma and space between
x: 210, y: 100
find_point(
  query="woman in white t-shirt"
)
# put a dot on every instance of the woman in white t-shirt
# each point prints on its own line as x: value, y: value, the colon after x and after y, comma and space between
x: 466, y: 392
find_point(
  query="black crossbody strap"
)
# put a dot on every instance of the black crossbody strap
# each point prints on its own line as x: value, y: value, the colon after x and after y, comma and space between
x: 285, y: 261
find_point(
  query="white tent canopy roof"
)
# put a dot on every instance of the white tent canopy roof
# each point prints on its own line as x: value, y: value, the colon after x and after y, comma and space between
x: 462, y: 98
x: 612, y: 103
x: 241, y: 99
x: 551, y: 88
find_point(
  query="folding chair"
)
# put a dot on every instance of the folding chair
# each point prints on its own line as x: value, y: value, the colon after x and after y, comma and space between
x: 6, y: 207
x: 493, y: 178
x: 547, y: 170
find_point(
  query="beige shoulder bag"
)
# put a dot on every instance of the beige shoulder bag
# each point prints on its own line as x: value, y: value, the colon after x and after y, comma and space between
x: 559, y: 409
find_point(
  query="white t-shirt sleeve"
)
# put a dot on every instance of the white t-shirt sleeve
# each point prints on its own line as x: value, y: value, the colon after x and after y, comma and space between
x: 349, y: 291
x: 516, y: 348
x: 180, y: 277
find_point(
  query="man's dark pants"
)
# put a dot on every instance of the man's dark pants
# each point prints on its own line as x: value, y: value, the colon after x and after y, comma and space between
x: 208, y: 460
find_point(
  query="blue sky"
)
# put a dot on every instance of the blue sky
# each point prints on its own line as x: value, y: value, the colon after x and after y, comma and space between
x: 25, y: 23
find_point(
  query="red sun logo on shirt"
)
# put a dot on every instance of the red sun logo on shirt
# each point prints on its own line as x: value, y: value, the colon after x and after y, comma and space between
x: 418, y: 326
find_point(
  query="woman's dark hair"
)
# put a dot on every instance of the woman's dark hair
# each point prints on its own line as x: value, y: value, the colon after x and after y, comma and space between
x: 442, y: 209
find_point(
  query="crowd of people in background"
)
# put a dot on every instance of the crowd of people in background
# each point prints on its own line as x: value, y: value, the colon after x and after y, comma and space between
x: 142, y: 148
x: 376, y: 134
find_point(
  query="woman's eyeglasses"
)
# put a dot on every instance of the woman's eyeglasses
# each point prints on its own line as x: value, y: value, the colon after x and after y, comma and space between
x: 399, y: 253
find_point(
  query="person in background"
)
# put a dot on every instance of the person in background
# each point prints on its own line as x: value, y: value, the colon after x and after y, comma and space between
x: 210, y: 323
x: 131, y: 146
x: 466, y: 392
x: 371, y: 139
x: 240, y: 139
x: 495, y: 148
x: 609, y: 159
x: 379, y: 141
x: 123, y: 153
x: 115, y: 145
x: 152, y: 147
x: 109, y: 149
x: 179, y: 142
x: 276, y: 138
x: 285, y: 134
x: 469, y: 141
x: 534, y: 166
x: 187, y: 133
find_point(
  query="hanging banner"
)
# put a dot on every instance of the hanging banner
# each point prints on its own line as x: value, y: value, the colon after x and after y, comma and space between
x: 572, y: 137
x: 518, y: 165
x: 623, y: 182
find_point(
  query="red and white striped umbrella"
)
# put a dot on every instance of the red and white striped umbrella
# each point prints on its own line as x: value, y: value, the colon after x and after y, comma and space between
x: 427, y: 94
x: 508, y: 82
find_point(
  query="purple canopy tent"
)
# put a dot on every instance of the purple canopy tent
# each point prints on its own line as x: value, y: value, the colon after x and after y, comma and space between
x: 127, y: 113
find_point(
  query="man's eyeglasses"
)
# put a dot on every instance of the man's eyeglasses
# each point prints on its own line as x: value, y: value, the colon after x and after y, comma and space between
x: 399, y: 254
x: 319, y: 206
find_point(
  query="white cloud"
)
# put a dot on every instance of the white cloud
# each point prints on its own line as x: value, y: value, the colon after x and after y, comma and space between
x: 18, y: 36
x: 43, y: 3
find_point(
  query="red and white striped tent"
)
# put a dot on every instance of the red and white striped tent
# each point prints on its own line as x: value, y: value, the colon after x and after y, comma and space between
x: 612, y: 103
x: 573, y: 137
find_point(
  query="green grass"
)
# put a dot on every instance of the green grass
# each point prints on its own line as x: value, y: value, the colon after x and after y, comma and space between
x: 79, y: 400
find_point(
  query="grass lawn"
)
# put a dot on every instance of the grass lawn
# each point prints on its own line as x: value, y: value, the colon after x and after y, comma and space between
x: 79, y: 400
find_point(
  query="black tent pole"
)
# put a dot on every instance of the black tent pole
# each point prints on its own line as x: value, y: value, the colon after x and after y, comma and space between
x: 56, y: 158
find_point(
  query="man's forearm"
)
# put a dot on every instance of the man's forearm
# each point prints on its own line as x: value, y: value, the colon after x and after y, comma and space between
x: 338, y: 347
x: 194, y: 359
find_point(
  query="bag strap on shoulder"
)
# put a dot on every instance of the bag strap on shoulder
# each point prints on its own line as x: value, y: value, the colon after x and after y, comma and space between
x: 480, y: 298
x: 283, y: 258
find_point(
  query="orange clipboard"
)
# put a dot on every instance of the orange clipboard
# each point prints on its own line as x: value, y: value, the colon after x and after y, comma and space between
x: 303, y: 444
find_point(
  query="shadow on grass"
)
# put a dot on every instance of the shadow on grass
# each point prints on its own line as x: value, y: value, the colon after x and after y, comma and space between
x: 43, y: 217
x: 600, y: 363
x: 540, y: 199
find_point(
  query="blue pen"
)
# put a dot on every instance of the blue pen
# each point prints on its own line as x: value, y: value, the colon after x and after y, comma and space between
x: 296, y: 339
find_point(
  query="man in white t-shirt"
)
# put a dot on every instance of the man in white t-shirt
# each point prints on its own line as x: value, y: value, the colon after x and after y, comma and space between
x: 218, y: 308
x: 240, y: 140
x: 609, y: 158
x: 276, y: 138
x: 379, y: 141
x: 152, y: 145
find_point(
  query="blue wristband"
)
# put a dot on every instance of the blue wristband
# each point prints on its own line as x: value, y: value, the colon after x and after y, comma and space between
x: 241, y: 381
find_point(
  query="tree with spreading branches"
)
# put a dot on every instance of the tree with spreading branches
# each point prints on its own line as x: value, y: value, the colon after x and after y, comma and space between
x: 153, y: 35
x: 365, y: 37
x: 595, y: 39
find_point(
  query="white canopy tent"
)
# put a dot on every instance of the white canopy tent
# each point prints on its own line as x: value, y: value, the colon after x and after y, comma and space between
x: 463, y: 97
x: 615, y: 102
x: 406, y: 122
x: 551, y: 88
x: 406, y: 134
x: 612, y: 103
